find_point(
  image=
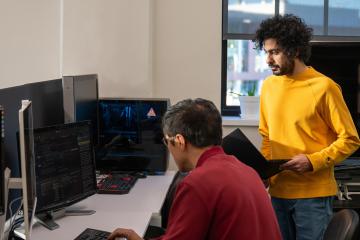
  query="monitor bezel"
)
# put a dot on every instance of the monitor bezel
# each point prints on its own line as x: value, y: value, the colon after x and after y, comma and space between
x: 26, y: 106
x: 2, y: 161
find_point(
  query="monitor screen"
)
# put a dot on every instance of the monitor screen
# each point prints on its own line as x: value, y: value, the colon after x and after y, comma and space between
x: 65, y: 167
x: 26, y: 147
x: 130, y: 135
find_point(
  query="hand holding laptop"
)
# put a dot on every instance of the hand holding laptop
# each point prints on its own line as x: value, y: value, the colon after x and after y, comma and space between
x: 237, y: 144
x: 300, y: 164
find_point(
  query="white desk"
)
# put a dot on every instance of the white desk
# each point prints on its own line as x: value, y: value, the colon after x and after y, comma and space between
x: 131, y: 210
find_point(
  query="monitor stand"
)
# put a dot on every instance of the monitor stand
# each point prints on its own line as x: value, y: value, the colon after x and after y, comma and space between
x: 47, y: 219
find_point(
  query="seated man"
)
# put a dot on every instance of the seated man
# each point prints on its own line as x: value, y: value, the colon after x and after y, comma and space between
x: 221, y: 198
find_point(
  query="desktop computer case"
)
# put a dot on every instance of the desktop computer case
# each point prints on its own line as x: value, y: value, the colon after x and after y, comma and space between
x: 68, y: 98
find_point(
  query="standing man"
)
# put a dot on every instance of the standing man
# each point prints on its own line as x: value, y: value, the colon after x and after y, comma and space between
x: 303, y: 117
x: 221, y: 198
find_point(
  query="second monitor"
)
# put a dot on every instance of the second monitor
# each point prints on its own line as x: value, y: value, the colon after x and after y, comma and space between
x: 130, y: 135
x: 65, y: 167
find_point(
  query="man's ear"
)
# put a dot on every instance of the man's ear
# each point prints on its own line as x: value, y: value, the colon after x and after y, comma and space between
x: 181, y: 141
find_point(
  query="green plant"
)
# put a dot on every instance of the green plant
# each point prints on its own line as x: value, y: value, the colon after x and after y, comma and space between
x: 252, y: 90
x: 238, y: 94
x: 249, y: 88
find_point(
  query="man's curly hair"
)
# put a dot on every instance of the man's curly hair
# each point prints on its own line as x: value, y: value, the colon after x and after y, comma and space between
x: 290, y: 32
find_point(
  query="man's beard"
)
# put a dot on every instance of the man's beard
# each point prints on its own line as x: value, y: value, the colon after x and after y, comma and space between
x: 286, y: 69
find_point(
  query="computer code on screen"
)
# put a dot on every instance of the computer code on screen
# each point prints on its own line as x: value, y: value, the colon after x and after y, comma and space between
x: 65, y: 169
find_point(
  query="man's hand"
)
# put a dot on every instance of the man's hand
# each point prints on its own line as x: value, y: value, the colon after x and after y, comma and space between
x: 300, y: 164
x: 125, y: 233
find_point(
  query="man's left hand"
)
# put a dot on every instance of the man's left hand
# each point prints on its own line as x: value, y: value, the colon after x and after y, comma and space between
x: 300, y: 164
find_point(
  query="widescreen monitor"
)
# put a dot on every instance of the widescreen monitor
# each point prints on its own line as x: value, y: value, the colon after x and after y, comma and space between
x: 130, y: 135
x: 65, y: 167
x: 26, y: 146
x: 47, y: 106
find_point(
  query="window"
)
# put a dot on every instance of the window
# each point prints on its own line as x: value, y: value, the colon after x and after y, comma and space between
x: 244, y: 16
x: 246, y: 67
x: 312, y: 11
x: 344, y: 18
x: 243, y: 66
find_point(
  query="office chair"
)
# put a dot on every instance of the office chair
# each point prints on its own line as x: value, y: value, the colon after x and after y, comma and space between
x: 343, y: 226
x: 155, y: 231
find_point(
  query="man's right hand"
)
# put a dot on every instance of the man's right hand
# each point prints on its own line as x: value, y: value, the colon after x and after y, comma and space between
x: 124, y: 233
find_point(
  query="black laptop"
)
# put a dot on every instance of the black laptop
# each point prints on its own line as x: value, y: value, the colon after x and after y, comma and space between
x: 237, y: 144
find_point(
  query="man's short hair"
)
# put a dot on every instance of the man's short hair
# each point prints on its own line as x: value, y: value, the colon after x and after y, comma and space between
x: 197, y: 120
x: 290, y: 32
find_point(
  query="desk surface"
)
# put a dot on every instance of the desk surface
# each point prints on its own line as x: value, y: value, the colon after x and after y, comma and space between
x: 131, y: 210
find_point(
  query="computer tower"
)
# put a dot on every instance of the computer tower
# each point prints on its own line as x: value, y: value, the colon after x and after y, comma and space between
x: 80, y: 97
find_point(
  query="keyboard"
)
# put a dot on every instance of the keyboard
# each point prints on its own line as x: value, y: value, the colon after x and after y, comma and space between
x: 120, y: 183
x: 93, y: 234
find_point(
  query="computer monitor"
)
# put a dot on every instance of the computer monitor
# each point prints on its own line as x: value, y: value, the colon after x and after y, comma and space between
x: 26, y: 145
x: 130, y: 135
x: 65, y: 167
x: 47, y: 107
x: 80, y: 94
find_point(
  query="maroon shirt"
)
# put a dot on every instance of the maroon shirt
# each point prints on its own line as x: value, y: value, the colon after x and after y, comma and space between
x: 221, y: 198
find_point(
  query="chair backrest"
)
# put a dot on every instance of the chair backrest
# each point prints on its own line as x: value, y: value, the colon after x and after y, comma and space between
x: 165, y: 210
x: 343, y: 226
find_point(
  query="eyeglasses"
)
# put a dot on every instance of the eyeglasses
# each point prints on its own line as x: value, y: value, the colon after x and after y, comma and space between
x: 166, y: 140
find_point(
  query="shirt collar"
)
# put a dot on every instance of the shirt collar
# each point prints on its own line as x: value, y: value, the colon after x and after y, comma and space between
x: 209, y: 153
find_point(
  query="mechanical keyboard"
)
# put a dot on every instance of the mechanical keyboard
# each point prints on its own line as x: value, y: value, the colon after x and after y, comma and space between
x: 119, y: 183
x: 93, y: 234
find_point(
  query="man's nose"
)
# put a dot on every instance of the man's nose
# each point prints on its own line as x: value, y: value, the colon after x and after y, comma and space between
x: 269, y: 59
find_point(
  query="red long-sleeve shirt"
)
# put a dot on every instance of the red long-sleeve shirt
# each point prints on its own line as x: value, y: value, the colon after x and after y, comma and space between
x: 221, y: 199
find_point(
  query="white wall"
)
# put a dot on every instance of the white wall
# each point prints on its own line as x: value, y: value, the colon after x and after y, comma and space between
x: 187, y: 49
x: 145, y: 48
x: 111, y: 38
x: 29, y: 41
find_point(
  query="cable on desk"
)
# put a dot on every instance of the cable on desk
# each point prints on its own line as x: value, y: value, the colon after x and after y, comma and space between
x: 13, y: 221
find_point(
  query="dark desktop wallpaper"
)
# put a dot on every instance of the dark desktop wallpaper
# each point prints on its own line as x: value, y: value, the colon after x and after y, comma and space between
x: 130, y: 135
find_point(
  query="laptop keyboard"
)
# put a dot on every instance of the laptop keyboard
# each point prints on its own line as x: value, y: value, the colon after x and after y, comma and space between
x: 116, y: 183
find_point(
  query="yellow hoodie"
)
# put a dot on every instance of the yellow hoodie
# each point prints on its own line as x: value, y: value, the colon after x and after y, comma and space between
x: 305, y: 114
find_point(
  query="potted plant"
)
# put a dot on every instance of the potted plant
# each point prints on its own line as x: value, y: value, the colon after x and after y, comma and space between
x: 249, y: 103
